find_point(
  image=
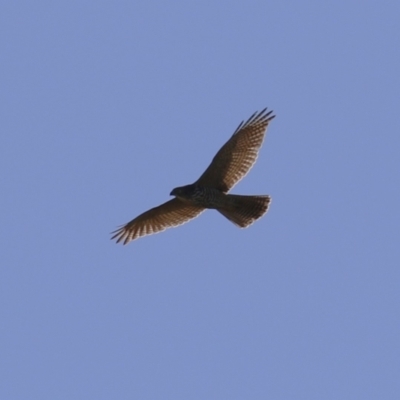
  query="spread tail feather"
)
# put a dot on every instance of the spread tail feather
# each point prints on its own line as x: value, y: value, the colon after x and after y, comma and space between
x: 244, y: 210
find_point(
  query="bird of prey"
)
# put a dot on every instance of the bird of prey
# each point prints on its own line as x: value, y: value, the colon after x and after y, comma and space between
x: 232, y: 162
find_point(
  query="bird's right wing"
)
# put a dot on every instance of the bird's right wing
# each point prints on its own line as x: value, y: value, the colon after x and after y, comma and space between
x: 167, y: 215
x: 235, y: 158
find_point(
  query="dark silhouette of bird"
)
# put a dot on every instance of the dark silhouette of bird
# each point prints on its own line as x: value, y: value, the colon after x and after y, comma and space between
x: 232, y: 162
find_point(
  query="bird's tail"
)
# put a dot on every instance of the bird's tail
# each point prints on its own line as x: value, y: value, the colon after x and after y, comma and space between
x: 244, y: 210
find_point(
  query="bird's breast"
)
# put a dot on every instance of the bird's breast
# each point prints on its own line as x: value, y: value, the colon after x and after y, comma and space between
x: 208, y: 197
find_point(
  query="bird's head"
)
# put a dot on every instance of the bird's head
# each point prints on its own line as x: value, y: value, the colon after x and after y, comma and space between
x: 182, y: 192
x: 175, y: 191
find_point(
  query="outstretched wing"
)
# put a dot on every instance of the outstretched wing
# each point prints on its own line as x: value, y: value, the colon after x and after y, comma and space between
x: 170, y: 214
x: 235, y: 158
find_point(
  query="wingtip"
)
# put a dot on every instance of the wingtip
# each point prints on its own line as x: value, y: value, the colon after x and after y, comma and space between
x: 118, y: 234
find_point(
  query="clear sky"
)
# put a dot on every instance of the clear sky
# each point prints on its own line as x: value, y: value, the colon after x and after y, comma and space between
x: 105, y: 107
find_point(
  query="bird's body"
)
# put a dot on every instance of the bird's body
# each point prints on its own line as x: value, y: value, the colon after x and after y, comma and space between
x: 241, y: 210
x: 210, y: 191
x: 203, y: 196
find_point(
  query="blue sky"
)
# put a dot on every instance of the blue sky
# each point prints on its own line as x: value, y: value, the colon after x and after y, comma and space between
x: 105, y: 107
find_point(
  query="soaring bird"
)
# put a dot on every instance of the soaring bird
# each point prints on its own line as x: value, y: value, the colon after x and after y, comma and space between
x: 232, y: 162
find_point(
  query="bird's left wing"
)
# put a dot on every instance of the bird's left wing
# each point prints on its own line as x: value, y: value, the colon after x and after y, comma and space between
x: 170, y: 214
x: 235, y: 158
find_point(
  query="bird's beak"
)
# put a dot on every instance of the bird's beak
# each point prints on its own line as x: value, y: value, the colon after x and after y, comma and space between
x: 173, y: 192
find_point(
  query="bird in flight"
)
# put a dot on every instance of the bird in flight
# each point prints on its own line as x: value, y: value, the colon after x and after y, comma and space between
x: 232, y: 162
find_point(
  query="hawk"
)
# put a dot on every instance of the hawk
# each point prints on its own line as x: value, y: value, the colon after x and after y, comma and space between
x: 232, y: 162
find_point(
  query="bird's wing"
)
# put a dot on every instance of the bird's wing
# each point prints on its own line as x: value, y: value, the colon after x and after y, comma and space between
x: 167, y: 215
x: 235, y: 158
